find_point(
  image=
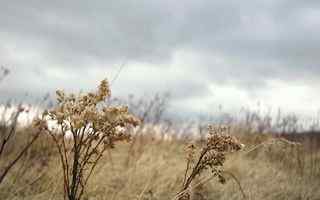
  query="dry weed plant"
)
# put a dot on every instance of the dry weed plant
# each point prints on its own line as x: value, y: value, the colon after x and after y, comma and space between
x: 8, y: 131
x: 210, y: 157
x: 89, y: 126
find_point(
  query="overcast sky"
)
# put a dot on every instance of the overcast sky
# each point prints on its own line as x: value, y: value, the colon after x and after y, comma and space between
x: 204, y: 52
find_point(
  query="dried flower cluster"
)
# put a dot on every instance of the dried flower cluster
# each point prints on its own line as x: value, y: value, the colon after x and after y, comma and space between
x: 212, y: 156
x: 88, y: 128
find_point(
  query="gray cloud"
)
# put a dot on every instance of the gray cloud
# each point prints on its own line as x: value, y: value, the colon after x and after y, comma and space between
x: 230, y: 42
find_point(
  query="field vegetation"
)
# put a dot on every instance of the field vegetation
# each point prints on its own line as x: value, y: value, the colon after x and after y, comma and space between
x: 89, y: 146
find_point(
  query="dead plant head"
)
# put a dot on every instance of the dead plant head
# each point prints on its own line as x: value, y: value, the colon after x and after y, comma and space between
x: 210, y: 157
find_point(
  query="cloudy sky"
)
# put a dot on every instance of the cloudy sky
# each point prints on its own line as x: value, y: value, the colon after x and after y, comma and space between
x: 204, y: 52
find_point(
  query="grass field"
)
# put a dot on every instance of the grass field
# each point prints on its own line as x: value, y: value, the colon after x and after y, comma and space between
x: 148, y: 168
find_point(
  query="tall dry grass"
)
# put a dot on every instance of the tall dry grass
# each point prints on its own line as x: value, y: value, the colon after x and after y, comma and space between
x: 271, y: 169
x: 150, y: 167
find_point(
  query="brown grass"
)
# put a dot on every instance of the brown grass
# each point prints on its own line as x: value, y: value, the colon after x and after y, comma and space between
x: 273, y: 170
